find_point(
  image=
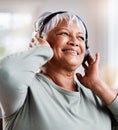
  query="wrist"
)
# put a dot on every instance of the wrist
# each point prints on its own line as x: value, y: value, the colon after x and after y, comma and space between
x: 104, y: 92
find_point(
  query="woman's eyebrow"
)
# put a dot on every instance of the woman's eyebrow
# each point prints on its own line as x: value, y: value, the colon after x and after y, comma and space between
x: 60, y: 28
x: 80, y: 33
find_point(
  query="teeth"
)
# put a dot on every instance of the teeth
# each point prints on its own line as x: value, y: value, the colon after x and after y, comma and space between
x: 73, y: 51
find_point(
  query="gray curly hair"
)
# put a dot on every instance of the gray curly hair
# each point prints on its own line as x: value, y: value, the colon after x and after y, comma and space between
x: 69, y: 17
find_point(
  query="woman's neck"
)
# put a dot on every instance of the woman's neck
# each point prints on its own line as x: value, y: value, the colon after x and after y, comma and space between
x: 61, y: 77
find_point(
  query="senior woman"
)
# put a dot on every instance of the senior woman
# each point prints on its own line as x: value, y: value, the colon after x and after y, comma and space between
x: 39, y: 89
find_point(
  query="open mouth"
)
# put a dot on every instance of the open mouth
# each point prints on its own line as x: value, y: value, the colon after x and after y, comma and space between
x: 74, y: 52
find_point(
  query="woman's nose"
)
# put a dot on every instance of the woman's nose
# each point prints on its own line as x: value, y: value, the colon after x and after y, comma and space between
x: 73, y: 43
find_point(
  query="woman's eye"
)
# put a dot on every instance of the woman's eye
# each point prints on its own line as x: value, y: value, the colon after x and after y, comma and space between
x: 64, y: 33
x: 80, y: 38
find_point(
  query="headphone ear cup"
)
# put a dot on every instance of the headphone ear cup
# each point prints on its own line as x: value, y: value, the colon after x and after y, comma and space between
x: 86, y: 56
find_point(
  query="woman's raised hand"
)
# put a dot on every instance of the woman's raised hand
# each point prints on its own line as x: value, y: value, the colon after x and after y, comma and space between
x: 36, y: 40
x: 91, y: 72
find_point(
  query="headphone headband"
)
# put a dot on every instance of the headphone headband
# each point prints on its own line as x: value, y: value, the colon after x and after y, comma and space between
x: 47, y: 19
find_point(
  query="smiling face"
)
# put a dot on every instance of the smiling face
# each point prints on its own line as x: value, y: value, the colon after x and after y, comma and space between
x: 68, y: 44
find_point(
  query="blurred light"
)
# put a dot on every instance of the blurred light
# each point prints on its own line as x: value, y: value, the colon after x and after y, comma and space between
x: 5, y: 20
x: 15, y: 30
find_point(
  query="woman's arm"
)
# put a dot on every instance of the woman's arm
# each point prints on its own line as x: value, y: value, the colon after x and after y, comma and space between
x: 93, y: 81
x: 16, y: 74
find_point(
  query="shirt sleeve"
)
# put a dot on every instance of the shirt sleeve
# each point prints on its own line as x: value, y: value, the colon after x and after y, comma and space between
x: 16, y: 74
x: 114, y: 109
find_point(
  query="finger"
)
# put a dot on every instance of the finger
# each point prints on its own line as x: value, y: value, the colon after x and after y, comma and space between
x: 79, y: 76
x: 32, y: 40
x: 30, y: 45
x: 90, y: 59
x: 41, y: 40
x: 85, y: 66
x: 97, y: 60
x: 36, y: 42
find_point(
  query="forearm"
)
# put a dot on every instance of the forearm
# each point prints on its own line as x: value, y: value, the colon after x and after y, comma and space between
x: 108, y: 96
x: 104, y: 92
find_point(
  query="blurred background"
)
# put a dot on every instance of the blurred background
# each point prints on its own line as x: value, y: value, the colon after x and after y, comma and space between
x: 100, y: 16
